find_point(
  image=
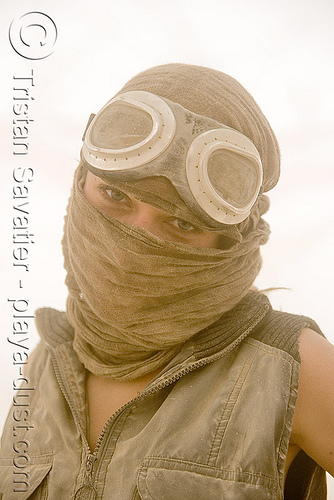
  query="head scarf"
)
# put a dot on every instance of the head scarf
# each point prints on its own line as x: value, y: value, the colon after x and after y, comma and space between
x: 134, y: 299
x: 218, y: 96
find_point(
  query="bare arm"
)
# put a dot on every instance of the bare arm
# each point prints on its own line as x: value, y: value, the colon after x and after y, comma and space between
x: 313, y: 424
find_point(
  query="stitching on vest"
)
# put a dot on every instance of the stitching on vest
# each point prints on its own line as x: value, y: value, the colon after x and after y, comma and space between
x: 227, y: 411
x: 180, y: 465
x: 69, y: 377
x: 112, y: 435
x: 269, y: 349
x: 285, y: 439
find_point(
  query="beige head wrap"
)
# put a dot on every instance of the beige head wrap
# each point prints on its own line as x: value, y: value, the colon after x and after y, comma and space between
x: 134, y: 299
x: 220, y: 97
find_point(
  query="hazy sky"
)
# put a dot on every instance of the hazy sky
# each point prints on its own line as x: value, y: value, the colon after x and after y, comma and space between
x: 282, y: 52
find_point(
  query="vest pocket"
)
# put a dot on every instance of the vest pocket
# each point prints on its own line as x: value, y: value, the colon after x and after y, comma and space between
x: 25, y: 481
x: 168, y: 479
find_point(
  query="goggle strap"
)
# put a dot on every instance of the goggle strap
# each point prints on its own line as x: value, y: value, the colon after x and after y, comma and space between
x: 90, y: 119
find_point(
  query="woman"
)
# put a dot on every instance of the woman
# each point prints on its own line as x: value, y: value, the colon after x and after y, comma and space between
x: 169, y: 376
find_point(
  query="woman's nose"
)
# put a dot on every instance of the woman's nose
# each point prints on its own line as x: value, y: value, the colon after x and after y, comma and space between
x: 146, y: 216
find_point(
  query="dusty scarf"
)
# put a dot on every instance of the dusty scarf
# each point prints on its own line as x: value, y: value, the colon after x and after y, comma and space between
x: 134, y: 299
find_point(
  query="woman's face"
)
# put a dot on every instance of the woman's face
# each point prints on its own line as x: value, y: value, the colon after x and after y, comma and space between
x: 128, y: 209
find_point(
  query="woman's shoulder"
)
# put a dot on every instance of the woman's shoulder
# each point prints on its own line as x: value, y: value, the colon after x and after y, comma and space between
x: 313, y: 424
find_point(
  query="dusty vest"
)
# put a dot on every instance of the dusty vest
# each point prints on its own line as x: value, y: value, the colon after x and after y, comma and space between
x: 214, y: 424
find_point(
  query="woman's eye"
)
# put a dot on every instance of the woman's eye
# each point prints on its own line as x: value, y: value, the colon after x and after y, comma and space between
x: 183, y: 225
x: 114, y: 194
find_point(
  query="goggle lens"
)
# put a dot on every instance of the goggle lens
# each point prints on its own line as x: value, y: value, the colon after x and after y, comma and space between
x: 121, y: 126
x: 232, y: 176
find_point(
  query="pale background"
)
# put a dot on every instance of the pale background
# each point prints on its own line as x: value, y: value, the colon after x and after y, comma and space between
x: 282, y: 52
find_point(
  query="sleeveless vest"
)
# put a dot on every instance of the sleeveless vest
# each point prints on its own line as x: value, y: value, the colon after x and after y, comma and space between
x: 215, y: 423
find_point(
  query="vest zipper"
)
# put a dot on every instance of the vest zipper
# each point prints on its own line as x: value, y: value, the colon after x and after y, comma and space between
x: 174, y: 378
x: 68, y: 399
x: 92, y: 457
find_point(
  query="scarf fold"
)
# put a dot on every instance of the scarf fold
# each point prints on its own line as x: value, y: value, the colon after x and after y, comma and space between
x: 134, y: 299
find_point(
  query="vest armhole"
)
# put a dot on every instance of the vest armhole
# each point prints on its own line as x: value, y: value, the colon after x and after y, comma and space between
x: 306, y: 480
x: 282, y: 330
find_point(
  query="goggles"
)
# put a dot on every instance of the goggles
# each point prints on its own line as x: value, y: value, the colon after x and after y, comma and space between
x: 216, y: 170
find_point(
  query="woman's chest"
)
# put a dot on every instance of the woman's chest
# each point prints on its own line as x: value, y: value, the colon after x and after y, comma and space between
x: 105, y: 397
